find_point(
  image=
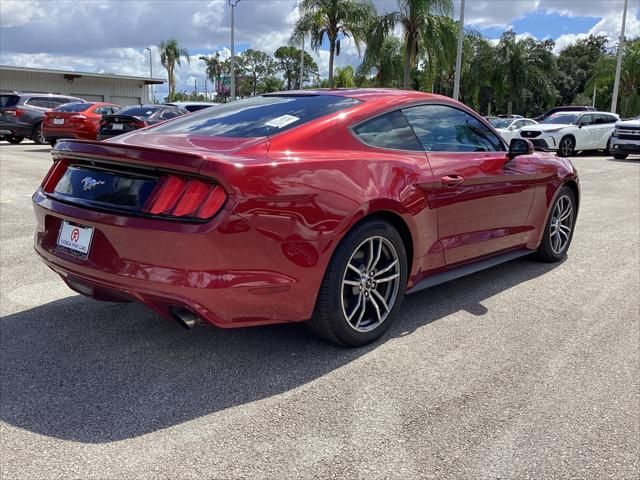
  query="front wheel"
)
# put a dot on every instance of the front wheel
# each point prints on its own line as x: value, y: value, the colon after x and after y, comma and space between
x: 566, y: 147
x: 620, y: 156
x: 363, y: 287
x: 558, y: 232
x: 14, y: 139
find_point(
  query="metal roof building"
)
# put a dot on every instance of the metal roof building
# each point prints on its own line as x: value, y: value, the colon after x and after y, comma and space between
x: 120, y: 89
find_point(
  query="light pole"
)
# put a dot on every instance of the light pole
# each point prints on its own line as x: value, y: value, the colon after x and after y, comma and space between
x: 302, y: 63
x: 616, y: 83
x: 152, y: 99
x: 458, y: 73
x: 233, y: 4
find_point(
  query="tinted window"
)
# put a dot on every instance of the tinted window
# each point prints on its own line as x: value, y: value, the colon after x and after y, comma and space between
x: 8, y: 100
x: 167, y: 114
x: 42, y: 102
x: 258, y: 116
x: 388, y: 131
x: 587, y: 120
x: 57, y: 101
x: 195, y: 108
x: 441, y: 128
x: 139, y: 111
x: 74, y: 107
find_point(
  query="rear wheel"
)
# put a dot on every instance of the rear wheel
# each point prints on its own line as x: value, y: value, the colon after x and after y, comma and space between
x: 558, y: 232
x: 620, y: 156
x: 38, y: 134
x: 363, y: 287
x: 567, y: 146
x: 14, y: 139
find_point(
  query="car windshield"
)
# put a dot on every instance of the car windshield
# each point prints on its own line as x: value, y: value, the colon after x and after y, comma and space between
x: 140, y: 111
x: 562, y: 118
x: 73, y: 107
x: 258, y: 116
x: 501, y: 122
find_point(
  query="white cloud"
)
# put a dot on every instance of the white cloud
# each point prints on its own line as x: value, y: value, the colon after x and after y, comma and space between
x: 15, y: 13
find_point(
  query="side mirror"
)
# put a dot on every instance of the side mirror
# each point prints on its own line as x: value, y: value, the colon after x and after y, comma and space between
x: 520, y: 146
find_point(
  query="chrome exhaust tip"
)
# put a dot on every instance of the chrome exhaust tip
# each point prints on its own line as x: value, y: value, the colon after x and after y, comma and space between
x: 185, y: 317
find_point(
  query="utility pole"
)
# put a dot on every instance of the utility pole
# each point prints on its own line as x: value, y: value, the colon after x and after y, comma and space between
x: 593, y: 103
x: 458, y: 73
x: 233, y: 4
x: 616, y: 83
x: 195, y: 88
x: 206, y: 94
x: 152, y: 99
x: 302, y: 63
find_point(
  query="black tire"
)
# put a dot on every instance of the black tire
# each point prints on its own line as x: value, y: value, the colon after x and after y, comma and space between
x: 549, y: 250
x: 14, y: 139
x: 567, y: 146
x: 38, y: 135
x: 620, y: 156
x: 329, y: 320
x: 52, y: 142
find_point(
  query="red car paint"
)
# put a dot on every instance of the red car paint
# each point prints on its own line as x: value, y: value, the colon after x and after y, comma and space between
x: 81, y: 125
x: 291, y: 198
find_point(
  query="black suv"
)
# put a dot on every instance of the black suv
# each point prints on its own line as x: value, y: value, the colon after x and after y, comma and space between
x: 21, y: 114
x: 564, y: 108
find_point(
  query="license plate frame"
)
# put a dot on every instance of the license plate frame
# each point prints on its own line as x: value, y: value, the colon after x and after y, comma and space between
x: 75, y: 239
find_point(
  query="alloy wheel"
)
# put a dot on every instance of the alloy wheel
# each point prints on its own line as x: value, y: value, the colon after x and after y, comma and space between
x: 561, y: 224
x: 370, y: 284
x: 41, y: 137
x: 566, y: 147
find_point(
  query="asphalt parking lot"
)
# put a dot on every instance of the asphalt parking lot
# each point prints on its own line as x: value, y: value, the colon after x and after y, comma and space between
x: 526, y: 370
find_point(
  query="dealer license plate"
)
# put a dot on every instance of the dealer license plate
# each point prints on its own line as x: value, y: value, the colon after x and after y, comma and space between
x: 75, y: 239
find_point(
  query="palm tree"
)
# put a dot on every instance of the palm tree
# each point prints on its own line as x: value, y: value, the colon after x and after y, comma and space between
x: 214, y: 68
x: 426, y: 31
x: 387, y: 63
x: 170, y: 55
x: 332, y: 19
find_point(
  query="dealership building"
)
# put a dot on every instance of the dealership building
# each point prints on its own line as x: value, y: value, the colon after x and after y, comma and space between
x: 94, y: 87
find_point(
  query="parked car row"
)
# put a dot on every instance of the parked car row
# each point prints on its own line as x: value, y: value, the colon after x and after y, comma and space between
x: 46, y: 118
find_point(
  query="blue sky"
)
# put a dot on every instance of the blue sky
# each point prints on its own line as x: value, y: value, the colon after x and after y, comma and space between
x: 111, y: 35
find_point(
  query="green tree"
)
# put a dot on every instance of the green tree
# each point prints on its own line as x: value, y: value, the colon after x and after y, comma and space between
x: 478, y: 68
x: 170, y: 56
x: 425, y: 29
x: 257, y: 66
x: 288, y: 61
x: 576, y: 64
x: 333, y: 19
x: 385, y: 63
x: 214, y: 68
x: 344, y: 77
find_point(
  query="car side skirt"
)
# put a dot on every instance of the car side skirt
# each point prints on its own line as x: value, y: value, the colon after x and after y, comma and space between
x: 467, y: 269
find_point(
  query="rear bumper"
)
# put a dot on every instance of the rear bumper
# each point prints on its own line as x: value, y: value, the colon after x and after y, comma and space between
x: 17, y: 129
x: 60, y: 133
x: 225, y: 271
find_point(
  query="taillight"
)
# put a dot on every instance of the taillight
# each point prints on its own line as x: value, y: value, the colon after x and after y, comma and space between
x: 54, y: 175
x: 139, y: 124
x: 15, y: 112
x: 78, y: 117
x: 177, y: 197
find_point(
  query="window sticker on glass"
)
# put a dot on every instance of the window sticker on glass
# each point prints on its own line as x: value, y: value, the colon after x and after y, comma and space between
x: 281, y: 121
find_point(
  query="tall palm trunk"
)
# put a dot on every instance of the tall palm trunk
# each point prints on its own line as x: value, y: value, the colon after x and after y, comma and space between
x: 407, y: 63
x: 332, y: 51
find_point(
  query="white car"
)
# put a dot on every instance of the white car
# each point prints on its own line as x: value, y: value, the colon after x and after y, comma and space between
x: 509, y: 128
x: 625, y: 139
x: 569, y: 132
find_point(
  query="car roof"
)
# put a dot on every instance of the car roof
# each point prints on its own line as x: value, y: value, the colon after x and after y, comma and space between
x: 180, y: 104
x: 365, y: 94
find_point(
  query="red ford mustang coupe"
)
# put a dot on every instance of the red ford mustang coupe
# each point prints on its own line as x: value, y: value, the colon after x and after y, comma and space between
x: 321, y: 206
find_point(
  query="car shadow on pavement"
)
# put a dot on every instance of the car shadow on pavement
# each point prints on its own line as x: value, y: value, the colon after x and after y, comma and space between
x: 94, y: 372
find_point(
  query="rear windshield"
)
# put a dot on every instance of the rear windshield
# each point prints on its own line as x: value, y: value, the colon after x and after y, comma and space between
x: 258, y: 116
x: 8, y: 100
x: 139, y: 111
x: 74, y: 107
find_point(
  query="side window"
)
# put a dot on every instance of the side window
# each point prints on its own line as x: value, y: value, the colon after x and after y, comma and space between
x: 167, y: 114
x: 610, y: 119
x: 586, y: 120
x: 441, y: 128
x: 115, y: 109
x: 519, y: 124
x: 102, y: 110
x: 388, y: 131
x: 41, y: 102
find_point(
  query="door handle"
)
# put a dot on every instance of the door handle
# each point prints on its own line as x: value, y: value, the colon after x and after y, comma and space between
x: 452, y: 180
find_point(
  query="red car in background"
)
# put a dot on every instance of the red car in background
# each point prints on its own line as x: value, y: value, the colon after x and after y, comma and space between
x: 76, y: 120
x: 324, y: 206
